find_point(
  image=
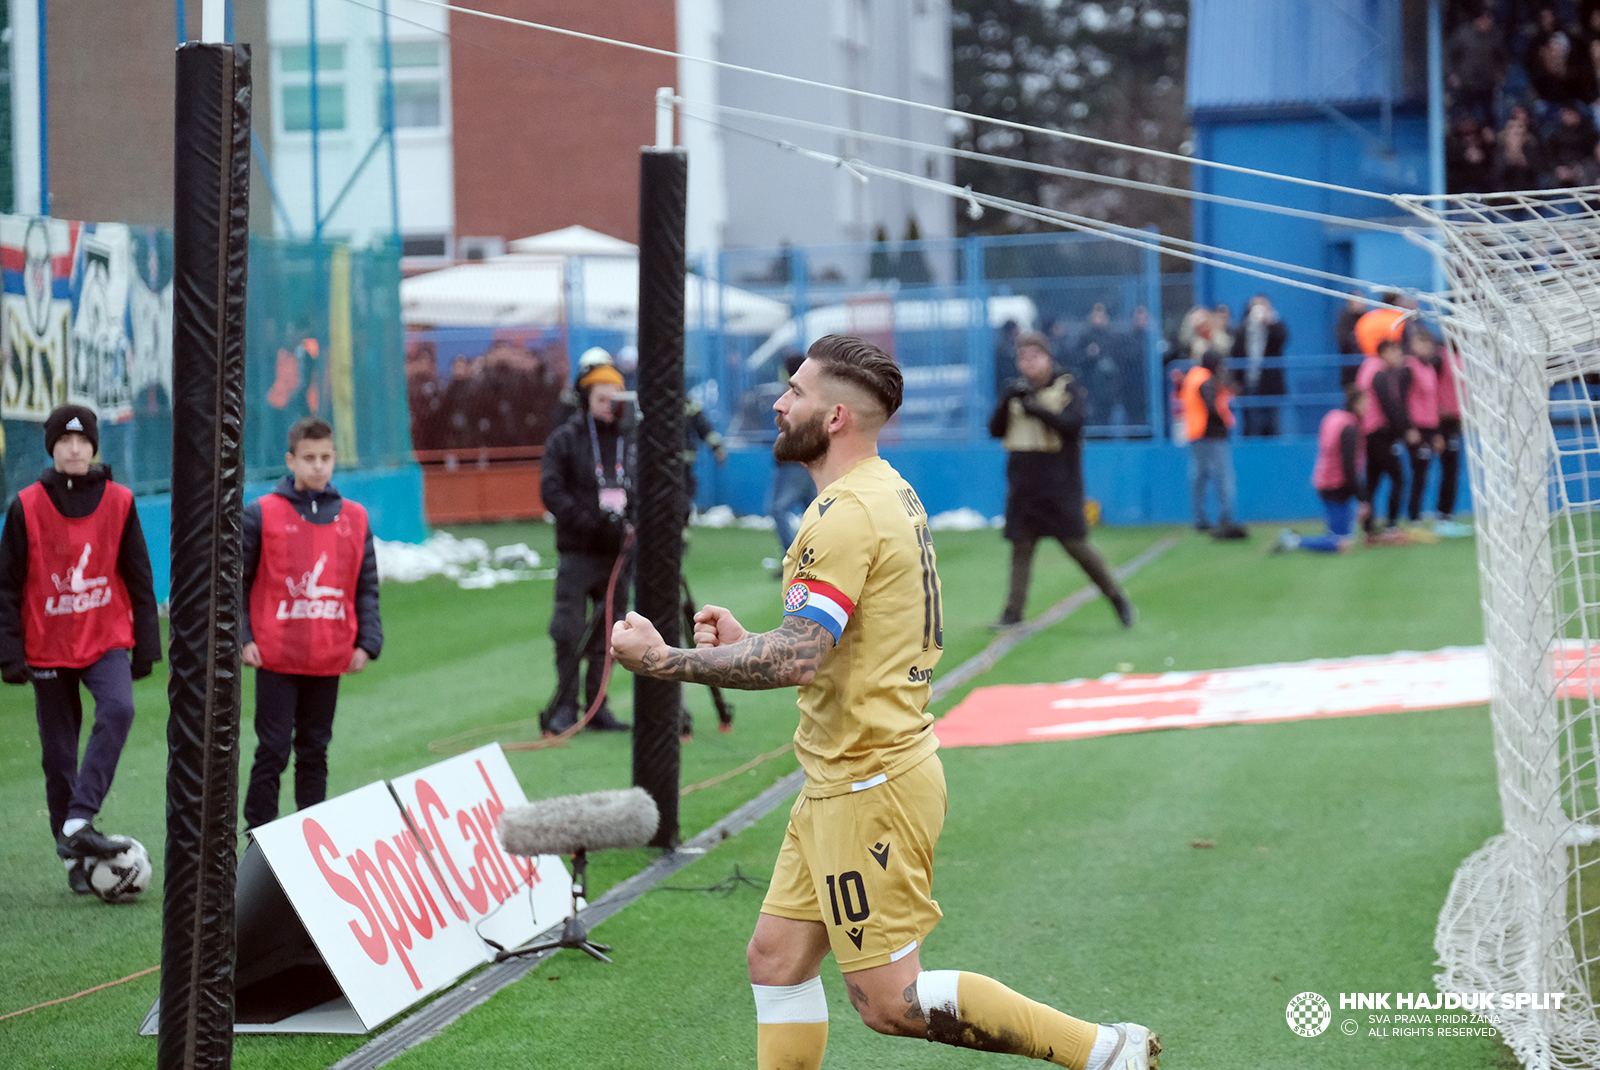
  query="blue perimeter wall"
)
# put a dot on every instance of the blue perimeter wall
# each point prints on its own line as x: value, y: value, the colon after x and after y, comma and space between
x: 392, y: 497
x: 1292, y: 142
x: 1144, y: 482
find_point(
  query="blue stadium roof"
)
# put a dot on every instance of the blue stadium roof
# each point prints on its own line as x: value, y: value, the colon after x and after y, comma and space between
x: 1278, y: 53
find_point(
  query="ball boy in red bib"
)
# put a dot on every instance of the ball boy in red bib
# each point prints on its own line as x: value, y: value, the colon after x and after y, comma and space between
x: 75, y: 599
x: 311, y: 579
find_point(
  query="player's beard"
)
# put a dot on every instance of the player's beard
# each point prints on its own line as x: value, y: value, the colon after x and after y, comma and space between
x: 804, y: 443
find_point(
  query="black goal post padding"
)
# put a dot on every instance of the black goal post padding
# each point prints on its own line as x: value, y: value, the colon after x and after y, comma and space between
x: 210, y: 253
x: 660, y: 485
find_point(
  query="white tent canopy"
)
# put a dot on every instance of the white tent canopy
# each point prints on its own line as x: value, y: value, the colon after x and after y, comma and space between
x: 599, y: 274
x: 573, y: 241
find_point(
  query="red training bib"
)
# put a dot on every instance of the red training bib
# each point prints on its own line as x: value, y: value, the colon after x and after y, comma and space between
x: 303, y: 601
x: 75, y: 606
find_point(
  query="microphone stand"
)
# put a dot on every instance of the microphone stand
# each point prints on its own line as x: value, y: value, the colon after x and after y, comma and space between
x: 574, y: 934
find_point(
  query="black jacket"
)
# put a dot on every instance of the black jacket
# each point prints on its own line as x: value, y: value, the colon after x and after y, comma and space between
x: 1271, y: 380
x: 1391, y: 387
x: 317, y: 507
x: 1344, y: 331
x: 1044, y: 491
x: 77, y: 496
x: 571, y: 492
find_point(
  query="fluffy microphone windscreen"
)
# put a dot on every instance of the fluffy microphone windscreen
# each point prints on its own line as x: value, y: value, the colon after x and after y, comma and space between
x: 595, y: 821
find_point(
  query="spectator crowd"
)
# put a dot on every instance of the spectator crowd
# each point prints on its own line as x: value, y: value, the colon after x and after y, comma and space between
x: 1523, y: 91
x: 507, y: 395
x: 1252, y: 346
x: 1107, y: 357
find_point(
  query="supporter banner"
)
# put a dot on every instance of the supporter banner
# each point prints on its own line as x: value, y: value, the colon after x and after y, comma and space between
x: 35, y: 314
x: 1344, y: 687
x: 98, y: 367
x: 149, y: 320
x: 85, y: 317
x: 395, y: 899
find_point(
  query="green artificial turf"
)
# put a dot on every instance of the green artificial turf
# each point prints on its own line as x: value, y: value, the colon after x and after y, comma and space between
x: 1066, y: 869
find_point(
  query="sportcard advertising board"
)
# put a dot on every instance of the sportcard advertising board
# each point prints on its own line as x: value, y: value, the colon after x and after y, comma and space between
x: 394, y: 883
x: 455, y: 806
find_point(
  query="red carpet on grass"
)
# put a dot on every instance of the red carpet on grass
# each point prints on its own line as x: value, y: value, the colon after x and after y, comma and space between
x: 1291, y: 691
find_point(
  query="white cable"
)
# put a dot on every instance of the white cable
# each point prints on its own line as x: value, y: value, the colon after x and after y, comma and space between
x: 1113, y: 231
x: 1171, y: 240
x: 1084, y: 225
x: 973, y: 210
x: 1029, y: 165
x: 973, y: 200
x: 884, y: 98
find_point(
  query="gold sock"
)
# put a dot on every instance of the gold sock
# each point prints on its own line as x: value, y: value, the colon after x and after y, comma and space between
x: 790, y: 1045
x: 980, y: 1012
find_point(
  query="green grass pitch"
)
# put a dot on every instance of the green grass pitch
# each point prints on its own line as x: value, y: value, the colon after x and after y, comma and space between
x: 1066, y: 869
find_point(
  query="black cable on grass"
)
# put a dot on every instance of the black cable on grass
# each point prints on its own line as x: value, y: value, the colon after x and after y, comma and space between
x: 723, y: 888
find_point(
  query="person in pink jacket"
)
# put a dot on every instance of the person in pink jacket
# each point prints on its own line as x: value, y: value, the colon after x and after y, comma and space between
x: 1449, y: 370
x: 1386, y: 423
x: 1339, y: 478
x: 1422, y: 402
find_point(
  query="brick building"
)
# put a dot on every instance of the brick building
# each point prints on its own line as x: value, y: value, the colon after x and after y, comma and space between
x: 547, y: 129
x: 500, y: 131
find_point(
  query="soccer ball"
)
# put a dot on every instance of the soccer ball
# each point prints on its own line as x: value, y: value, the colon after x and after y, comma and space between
x: 121, y: 878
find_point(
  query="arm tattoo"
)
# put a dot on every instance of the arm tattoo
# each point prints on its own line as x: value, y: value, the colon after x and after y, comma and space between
x: 785, y: 657
x: 913, y: 1012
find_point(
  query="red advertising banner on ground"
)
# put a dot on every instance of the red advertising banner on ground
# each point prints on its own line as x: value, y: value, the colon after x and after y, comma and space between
x: 1342, y: 687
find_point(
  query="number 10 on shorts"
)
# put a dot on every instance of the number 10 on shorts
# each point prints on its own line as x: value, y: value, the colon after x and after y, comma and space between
x: 852, y: 891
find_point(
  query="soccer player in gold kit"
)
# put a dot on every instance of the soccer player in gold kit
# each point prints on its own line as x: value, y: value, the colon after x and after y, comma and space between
x: 861, y: 634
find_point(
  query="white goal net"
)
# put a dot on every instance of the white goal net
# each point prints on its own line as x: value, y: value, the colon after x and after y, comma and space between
x: 1523, y: 312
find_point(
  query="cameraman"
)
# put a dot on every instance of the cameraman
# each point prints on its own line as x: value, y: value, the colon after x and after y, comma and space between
x: 585, y: 479
x: 1040, y: 420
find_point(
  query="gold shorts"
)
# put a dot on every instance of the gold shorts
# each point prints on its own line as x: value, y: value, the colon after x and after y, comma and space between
x: 862, y: 864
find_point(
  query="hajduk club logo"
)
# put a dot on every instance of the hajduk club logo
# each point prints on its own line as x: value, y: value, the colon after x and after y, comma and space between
x: 796, y: 597
x: 1309, y: 1014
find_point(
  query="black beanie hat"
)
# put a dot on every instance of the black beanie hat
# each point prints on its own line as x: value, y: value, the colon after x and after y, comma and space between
x: 71, y: 418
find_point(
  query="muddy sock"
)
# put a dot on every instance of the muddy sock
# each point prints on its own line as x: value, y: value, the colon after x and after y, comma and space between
x: 969, y: 1010
x: 791, y: 1025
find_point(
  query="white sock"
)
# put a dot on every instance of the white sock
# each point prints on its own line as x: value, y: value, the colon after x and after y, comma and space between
x: 804, y: 1002
x: 936, y: 991
x: 72, y: 824
x: 1105, y: 1043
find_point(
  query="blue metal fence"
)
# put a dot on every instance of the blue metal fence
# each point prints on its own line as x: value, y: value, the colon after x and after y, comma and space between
x: 949, y: 310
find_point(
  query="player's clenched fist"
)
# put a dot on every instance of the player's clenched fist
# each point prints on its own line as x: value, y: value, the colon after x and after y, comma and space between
x: 635, y: 643
x: 715, y: 626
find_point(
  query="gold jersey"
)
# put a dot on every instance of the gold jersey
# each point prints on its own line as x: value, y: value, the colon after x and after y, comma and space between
x: 863, y: 566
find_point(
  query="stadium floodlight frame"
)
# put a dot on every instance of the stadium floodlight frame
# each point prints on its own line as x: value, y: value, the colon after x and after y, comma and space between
x: 1523, y: 313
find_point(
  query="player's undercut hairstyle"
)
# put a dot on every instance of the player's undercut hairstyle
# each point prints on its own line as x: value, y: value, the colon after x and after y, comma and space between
x: 858, y: 361
x: 311, y: 427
